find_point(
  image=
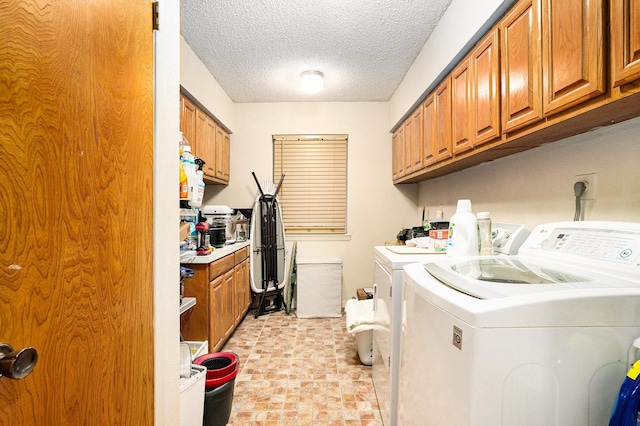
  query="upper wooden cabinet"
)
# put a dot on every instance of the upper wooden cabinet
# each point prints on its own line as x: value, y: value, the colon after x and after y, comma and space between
x: 417, y: 140
x: 205, y: 148
x: 573, y: 52
x: 461, y: 107
x: 475, y: 96
x: 539, y: 75
x: 188, y: 119
x: 408, y: 145
x: 398, y: 153
x: 521, y: 51
x: 208, y: 141
x: 485, y: 89
x: 442, y: 130
x: 429, y: 130
x: 625, y: 41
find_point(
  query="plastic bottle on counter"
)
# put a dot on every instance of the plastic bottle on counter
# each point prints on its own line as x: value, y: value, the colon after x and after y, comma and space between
x: 184, y: 183
x: 484, y: 234
x: 198, y: 191
x: 463, y: 232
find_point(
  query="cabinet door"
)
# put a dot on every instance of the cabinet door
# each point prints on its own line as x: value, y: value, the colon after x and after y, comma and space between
x: 461, y: 107
x: 573, y: 52
x: 429, y: 123
x: 396, y: 155
x: 625, y: 40
x: 485, y: 65
x: 400, y: 145
x: 241, y: 300
x: 220, y: 152
x: 217, y: 299
x: 521, y: 66
x: 226, y: 152
x: 188, y: 120
x: 442, y: 136
x: 408, y: 145
x: 209, y: 153
x: 227, y: 306
x: 199, y: 146
x: 417, y: 140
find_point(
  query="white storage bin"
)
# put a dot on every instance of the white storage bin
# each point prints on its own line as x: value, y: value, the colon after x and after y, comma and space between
x: 319, y: 288
x: 192, y: 397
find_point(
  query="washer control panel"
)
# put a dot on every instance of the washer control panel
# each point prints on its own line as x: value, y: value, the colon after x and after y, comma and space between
x: 598, y: 241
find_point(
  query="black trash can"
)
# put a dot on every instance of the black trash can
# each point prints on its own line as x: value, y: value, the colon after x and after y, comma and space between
x: 222, y: 368
x: 217, y: 404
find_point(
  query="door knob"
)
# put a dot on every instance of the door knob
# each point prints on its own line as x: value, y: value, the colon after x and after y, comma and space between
x: 16, y: 364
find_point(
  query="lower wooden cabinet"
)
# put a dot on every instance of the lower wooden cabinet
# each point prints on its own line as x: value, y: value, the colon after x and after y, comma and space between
x: 223, y: 297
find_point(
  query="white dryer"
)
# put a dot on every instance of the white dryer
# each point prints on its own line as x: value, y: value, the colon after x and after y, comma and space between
x: 387, y: 287
x: 542, y: 338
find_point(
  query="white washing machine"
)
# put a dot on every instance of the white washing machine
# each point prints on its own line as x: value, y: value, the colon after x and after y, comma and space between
x: 541, y: 338
x: 389, y: 262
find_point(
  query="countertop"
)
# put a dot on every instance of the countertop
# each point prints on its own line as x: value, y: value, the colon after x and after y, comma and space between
x: 218, y: 253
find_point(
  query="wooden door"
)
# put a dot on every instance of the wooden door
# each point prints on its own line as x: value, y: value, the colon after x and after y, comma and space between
x: 521, y: 58
x: 442, y: 135
x: 625, y: 41
x: 76, y: 210
x: 461, y: 107
x: 429, y: 123
x: 417, y: 140
x: 573, y: 52
x: 485, y: 65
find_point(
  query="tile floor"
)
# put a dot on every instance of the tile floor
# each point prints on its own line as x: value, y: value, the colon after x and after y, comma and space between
x: 300, y: 372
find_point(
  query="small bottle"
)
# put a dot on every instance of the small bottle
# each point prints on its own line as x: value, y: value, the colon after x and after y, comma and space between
x: 484, y: 234
x: 463, y: 232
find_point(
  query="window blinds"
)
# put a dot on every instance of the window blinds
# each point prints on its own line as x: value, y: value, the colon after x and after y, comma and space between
x: 313, y: 195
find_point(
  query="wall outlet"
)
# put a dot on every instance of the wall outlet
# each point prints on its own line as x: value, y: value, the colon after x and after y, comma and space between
x: 591, y: 180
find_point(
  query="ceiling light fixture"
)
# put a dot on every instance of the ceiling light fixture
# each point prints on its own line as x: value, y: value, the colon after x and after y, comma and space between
x: 311, y: 81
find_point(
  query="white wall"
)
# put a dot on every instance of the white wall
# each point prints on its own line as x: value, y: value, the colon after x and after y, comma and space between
x: 198, y: 81
x: 458, y: 26
x: 536, y: 186
x: 376, y: 210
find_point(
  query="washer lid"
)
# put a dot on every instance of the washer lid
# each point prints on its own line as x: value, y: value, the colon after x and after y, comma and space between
x: 494, y: 277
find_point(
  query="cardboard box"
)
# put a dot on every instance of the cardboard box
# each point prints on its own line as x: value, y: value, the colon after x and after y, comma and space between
x: 439, y: 234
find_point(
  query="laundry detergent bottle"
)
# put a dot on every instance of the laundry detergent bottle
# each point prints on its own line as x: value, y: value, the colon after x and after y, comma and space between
x: 463, y: 232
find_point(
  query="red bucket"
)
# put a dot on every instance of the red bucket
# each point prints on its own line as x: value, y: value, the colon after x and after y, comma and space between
x: 218, y: 364
x: 214, y: 383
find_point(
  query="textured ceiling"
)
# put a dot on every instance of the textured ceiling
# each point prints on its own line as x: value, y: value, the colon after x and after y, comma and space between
x: 256, y: 49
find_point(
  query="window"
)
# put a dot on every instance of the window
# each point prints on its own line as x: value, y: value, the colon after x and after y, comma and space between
x: 313, y: 195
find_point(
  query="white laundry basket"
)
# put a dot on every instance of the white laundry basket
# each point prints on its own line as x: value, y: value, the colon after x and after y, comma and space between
x: 319, y: 288
x: 360, y: 323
